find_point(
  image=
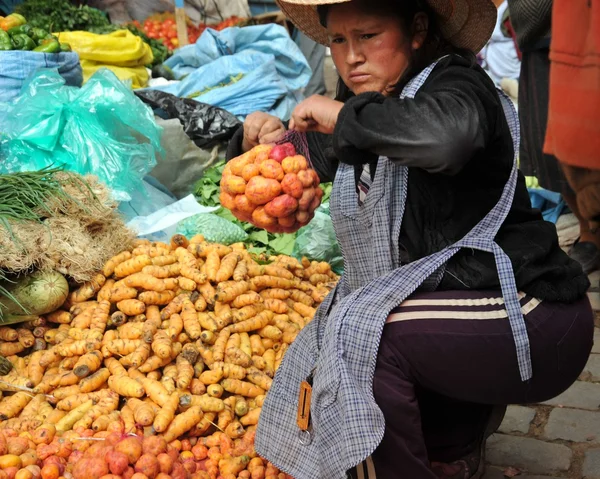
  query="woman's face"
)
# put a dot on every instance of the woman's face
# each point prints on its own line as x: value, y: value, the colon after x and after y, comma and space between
x: 370, y: 51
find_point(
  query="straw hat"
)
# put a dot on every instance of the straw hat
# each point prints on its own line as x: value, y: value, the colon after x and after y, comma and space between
x: 464, y: 23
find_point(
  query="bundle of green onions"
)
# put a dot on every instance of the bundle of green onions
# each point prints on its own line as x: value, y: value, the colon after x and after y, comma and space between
x: 26, y: 196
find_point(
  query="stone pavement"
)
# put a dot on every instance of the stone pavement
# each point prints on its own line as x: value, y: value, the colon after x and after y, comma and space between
x: 559, y: 438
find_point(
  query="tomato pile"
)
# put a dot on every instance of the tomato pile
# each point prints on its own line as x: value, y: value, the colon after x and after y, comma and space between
x: 165, y: 30
x: 229, y: 22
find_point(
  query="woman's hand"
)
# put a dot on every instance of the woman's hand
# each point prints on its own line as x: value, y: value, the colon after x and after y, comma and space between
x: 260, y: 128
x: 316, y: 113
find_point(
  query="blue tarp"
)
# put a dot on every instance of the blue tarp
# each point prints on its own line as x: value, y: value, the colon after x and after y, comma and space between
x: 273, y: 70
x: 551, y: 204
x: 17, y: 66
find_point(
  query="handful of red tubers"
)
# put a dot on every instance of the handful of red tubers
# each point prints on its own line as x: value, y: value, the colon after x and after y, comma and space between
x: 271, y: 187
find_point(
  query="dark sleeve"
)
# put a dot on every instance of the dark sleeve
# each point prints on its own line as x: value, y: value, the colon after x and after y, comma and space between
x: 234, y: 148
x: 322, y: 156
x: 439, y: 130
x: 321, y: 152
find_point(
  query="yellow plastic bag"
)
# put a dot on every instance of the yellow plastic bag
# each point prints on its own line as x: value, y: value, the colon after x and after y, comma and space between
x: 137, y: 76
x: 122, y: 52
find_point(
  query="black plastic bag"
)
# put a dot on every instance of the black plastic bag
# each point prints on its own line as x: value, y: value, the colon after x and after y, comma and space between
x: 206, y: 125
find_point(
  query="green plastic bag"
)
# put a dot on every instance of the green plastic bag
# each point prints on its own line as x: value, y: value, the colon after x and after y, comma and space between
x: 214, y: 228
x: 317, y: 241
x: 101, y: 129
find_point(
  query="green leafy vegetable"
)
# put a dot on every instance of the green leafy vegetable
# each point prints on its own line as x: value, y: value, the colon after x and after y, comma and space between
x: 260, y: 236
x: 282, y: 243
x: 207, y: 188
x: 326, y: 187
x: 61, y: 15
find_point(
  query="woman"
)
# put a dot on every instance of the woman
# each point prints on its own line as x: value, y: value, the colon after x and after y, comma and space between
x: 456, y: 296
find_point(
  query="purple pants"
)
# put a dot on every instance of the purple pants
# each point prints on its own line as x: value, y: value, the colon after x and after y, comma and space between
x: 446, y: 357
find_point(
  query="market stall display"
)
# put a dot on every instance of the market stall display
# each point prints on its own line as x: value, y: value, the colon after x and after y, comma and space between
x: 158, y: 365
x: 271, y: 187
x: 123, y: 358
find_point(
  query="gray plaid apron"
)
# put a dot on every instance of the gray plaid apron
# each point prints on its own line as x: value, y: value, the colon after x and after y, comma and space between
x: 338, y: 349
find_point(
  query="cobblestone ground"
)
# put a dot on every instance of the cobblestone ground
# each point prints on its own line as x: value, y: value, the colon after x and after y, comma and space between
x: 559, y: 438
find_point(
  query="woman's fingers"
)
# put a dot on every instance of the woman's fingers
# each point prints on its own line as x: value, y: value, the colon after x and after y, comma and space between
x: 316, y: 113
x: 273, y: 136
x: 251, y: 131
x: 271, y: 130
x: 303, y: 124
x: 302, y: 117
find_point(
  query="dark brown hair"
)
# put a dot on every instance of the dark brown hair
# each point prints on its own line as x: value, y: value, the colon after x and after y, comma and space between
x: 434, y: 47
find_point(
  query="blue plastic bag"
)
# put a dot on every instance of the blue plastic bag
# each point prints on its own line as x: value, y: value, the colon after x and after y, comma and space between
x: 273, y: 70
x: 101, y: 129
x: 16, y: 67
x: 551, y: 204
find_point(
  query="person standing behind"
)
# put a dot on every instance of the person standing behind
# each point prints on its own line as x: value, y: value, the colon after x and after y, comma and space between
x: 573, y: 133
x: 531, y: 20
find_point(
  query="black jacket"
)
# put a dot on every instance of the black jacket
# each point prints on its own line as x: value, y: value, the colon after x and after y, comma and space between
x: 456, y: 139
